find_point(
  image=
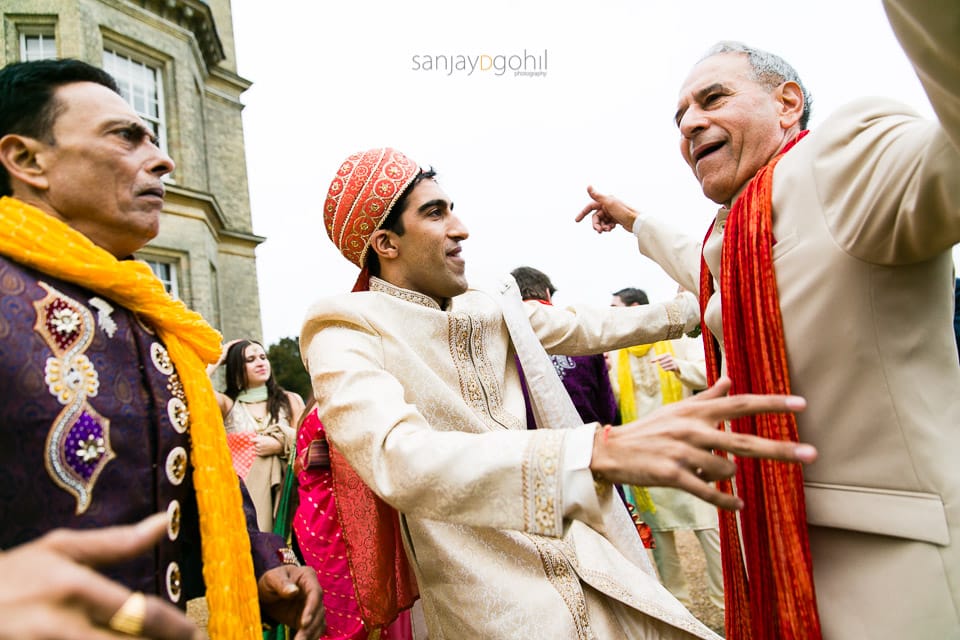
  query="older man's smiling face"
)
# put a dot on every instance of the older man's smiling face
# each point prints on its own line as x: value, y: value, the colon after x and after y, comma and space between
x: 730, y: 125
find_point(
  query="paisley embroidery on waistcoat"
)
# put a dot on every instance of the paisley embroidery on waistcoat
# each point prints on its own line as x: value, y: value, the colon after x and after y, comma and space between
x: 78, y: 444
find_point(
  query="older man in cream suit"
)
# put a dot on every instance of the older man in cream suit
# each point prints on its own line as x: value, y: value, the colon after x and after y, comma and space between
x: 865, y: 210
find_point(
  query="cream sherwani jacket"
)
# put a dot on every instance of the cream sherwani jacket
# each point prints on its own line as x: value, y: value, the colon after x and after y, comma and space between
x: 503, y: 525
x: 866, y: 209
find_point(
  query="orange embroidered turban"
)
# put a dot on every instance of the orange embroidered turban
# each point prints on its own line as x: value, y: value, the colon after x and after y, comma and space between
x: 363, y: 192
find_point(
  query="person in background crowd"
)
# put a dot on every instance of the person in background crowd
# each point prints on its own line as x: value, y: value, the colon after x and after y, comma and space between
x: 584, y: 377
x: 258, y: 415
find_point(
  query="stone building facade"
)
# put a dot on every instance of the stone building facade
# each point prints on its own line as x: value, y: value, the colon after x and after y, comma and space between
x: 175, y: 62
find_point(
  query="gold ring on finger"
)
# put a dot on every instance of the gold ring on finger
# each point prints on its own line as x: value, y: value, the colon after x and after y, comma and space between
x: 130, y: 616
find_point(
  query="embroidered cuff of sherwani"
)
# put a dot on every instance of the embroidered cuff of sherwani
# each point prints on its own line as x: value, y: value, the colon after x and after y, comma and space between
x: 542, y: 496
x: 580, y: 500
x: 683, y: 315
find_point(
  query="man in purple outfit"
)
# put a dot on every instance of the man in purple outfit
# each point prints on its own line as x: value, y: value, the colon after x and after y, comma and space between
x: 584, y: 377
x: 105, y: 411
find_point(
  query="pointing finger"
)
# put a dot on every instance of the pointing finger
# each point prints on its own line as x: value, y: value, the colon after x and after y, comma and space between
x: 587, y: 210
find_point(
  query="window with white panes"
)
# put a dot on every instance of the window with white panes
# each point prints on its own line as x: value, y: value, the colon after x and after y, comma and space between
x: 37, y: 44
x: 166, y: 272
x: 142, y: 86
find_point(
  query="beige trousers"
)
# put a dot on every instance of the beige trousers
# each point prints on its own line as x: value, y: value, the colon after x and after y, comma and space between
x: 671, y: 571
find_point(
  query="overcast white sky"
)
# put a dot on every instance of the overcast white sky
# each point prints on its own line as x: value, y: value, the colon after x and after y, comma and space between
x: 515, y: 153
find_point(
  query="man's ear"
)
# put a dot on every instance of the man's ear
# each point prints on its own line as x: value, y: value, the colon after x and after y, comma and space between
x: 383, y: 243
x: 790, y: 96
x: 19, y: 156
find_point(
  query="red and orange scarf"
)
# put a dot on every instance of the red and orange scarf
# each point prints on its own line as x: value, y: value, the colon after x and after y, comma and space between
x: 769, y: 590
x: 382, y: 577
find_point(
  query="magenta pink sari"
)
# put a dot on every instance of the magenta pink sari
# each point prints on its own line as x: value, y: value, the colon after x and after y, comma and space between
x: 318, y: 533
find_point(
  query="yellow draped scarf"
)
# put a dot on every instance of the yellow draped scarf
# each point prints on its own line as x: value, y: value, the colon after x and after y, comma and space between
x: 36, y: 240
x: 670, y: 390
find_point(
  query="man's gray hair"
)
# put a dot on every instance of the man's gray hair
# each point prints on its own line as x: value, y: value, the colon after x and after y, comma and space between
x: 768, y: 69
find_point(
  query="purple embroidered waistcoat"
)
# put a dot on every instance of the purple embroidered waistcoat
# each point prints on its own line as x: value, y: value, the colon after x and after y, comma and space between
x: 94, y: 430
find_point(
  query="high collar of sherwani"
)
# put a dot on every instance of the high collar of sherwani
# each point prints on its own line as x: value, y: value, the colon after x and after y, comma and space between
x: 382, y: 286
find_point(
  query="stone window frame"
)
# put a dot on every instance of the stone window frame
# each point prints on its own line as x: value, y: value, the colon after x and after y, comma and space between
x: 20, y: 27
